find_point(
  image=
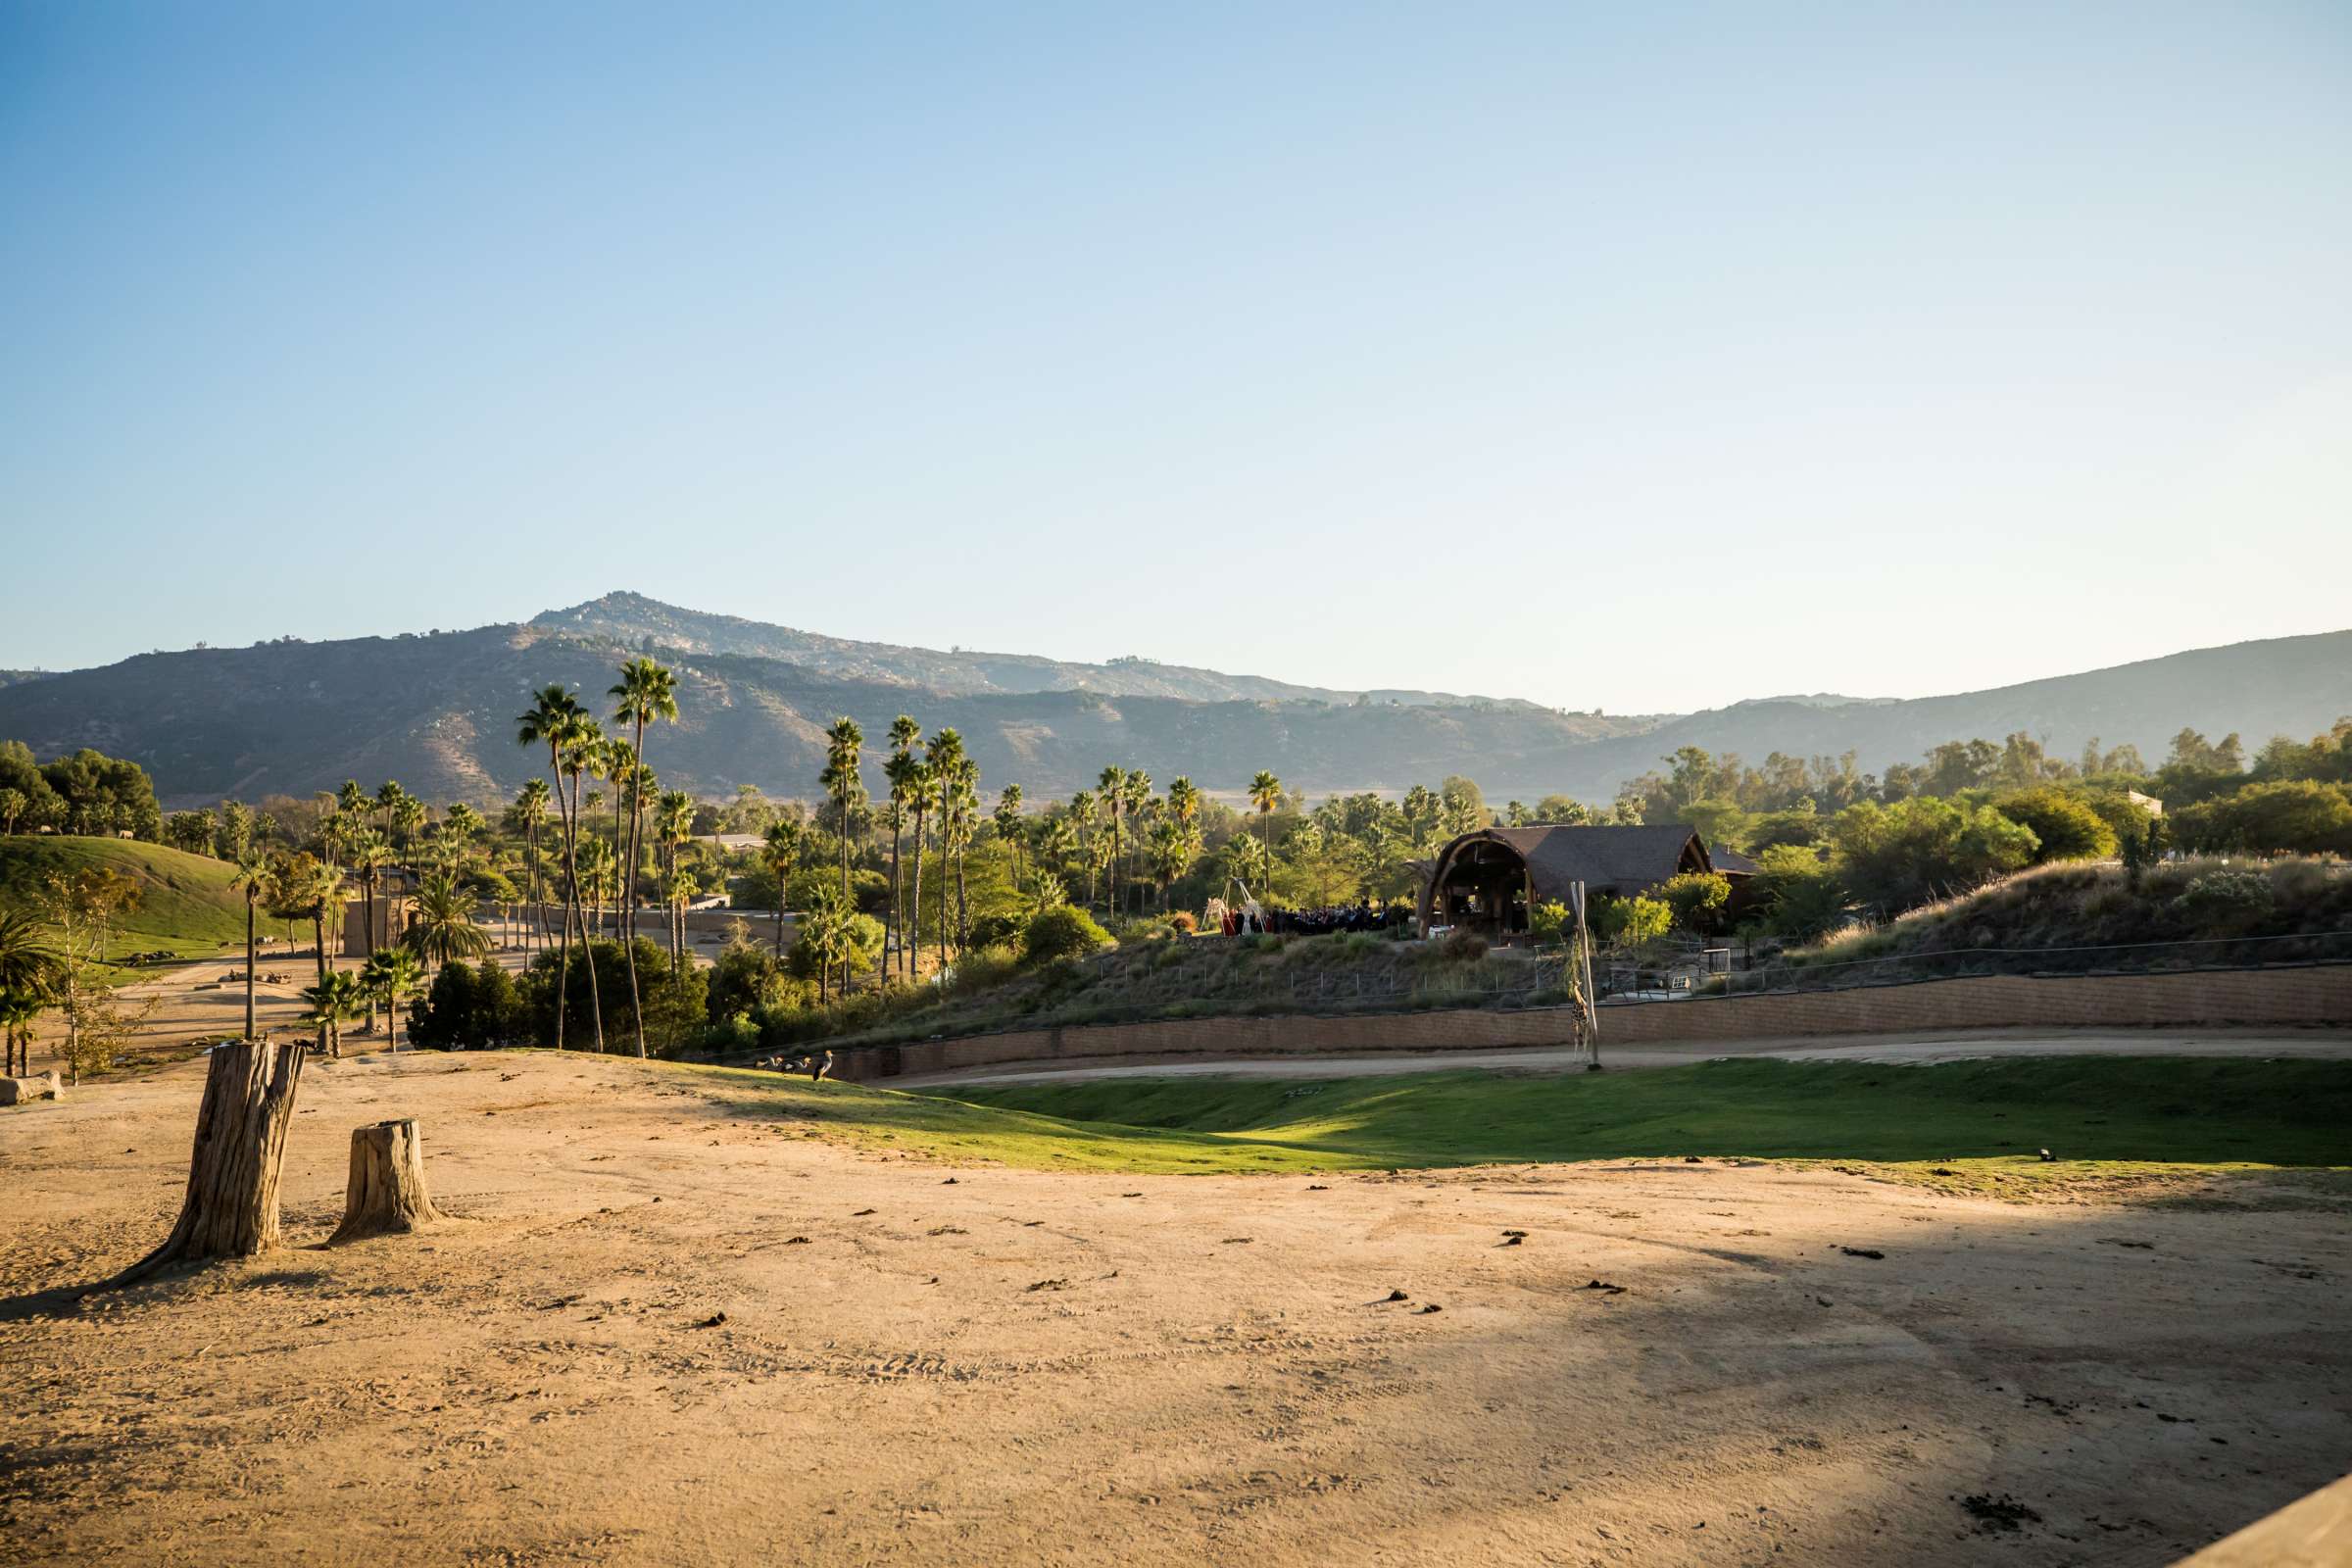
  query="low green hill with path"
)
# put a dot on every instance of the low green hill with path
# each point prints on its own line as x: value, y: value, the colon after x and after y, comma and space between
x: 186, y: 907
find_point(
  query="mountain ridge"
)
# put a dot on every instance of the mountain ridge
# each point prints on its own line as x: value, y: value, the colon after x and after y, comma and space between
x: 436, y: 710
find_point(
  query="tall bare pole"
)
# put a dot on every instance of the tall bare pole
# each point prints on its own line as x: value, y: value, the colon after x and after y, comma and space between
x: 1589, y: 1002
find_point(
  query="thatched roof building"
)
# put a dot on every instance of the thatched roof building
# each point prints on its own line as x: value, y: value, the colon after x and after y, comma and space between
x: 1493, y: 877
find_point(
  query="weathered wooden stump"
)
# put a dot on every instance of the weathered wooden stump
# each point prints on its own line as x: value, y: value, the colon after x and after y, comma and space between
x: 386, y: 1192
x: 230, y: 1209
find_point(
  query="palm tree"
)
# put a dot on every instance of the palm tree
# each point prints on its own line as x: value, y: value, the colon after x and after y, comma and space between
x: 646, y: 691
x: 333, y: 1003
x: 531, y: 810
x: 900, y: 772
x: 1135, y: 793
x: 29, y: 970
x: 1007, y: 818
x: 674, y: 826
x: 441, y: 926
x: 256, y: 876
x: 941, y: 761
x: 966, y: 823
x: 553, y: 716
x: 780, y: 852
x: 910, y: 939
x: 13, y: 803
x: 1082, y: 817
x: 390, y: 978
x: 1111, y: 790
x: 1171, y: 853
x: 1266, y: 793
x: 843, y: 745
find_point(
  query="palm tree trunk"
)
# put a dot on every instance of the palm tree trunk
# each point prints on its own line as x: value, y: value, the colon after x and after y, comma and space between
x: 626, y: 919
x: 898, y: 914
x: 564, y: 960
x: 249, y: 960
x: 914, y: 955
x: 595, y: 1001
x: 318, y: 924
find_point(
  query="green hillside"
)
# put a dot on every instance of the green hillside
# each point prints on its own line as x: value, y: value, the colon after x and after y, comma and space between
x: 185, y: 905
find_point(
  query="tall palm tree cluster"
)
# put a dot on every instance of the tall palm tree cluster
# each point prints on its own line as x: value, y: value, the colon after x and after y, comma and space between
x: 593, y: 869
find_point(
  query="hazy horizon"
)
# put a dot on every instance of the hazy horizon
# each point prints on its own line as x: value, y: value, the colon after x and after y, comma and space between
x: 1646, y: 363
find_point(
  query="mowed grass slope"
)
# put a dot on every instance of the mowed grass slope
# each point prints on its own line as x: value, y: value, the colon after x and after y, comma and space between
x: 1982, y: 1124
x: 185, y: 906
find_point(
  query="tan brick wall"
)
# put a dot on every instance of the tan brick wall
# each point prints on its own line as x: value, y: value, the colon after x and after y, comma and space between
x: 2305, y: 996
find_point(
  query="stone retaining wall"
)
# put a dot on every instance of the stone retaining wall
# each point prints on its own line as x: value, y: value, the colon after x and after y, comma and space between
x: 2303, y: 996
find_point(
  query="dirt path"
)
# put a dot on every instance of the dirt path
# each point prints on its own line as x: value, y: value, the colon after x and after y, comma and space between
x: 1066, y: 1369
x: 2335, y: 1043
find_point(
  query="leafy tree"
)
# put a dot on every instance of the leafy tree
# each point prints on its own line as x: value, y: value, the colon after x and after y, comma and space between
x: 2068, y: 827
x: 1697, y: 900
x: 1901, y: 856
x: 84, y: 909
x: 2289, y: 816
x: 1628, y: 923
x: 1801, y: 901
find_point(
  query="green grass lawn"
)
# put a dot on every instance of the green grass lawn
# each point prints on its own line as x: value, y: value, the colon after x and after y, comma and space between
x: 185, y: 906
x: 1965, y: 1126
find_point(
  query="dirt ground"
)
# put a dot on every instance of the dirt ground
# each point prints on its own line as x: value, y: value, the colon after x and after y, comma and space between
x: 667, y: 1331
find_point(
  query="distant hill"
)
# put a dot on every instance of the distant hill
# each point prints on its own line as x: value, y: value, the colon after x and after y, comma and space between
x: 2294, y: 686
x: 437, y: 712
x: 12, y: 678
x: 637, y: 620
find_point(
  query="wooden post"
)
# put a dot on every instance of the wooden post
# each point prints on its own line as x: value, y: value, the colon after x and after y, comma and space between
x: 232, y: 1209
x: 386, y: 1190
x: 1592, y: 1002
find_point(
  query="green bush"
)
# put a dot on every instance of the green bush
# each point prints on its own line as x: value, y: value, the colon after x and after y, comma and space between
x: 1063, y: 933
x: 471, y: 1008
x: 2225, y: 900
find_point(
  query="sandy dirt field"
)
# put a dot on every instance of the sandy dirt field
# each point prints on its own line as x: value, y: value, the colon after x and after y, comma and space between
x: 669, y: 1330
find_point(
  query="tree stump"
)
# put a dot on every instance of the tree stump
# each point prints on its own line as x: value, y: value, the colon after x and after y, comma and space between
x: 386, y: 1192
x: 230, y: 1209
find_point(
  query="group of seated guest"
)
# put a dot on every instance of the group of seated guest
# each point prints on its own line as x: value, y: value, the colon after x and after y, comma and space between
x: 1332, y: 917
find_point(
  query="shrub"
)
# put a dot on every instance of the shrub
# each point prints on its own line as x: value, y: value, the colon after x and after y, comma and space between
x: 1627, y: 923
x: 1548, y: 921
x: 2220, y: 900
x: 998, y: 930
x: 1461, y: 947
x: 1063, y: 933
x: 471, y: 1008
x: 1183, y: 923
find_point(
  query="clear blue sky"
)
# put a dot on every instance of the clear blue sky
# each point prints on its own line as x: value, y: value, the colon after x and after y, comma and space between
x: 1642, y: 357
